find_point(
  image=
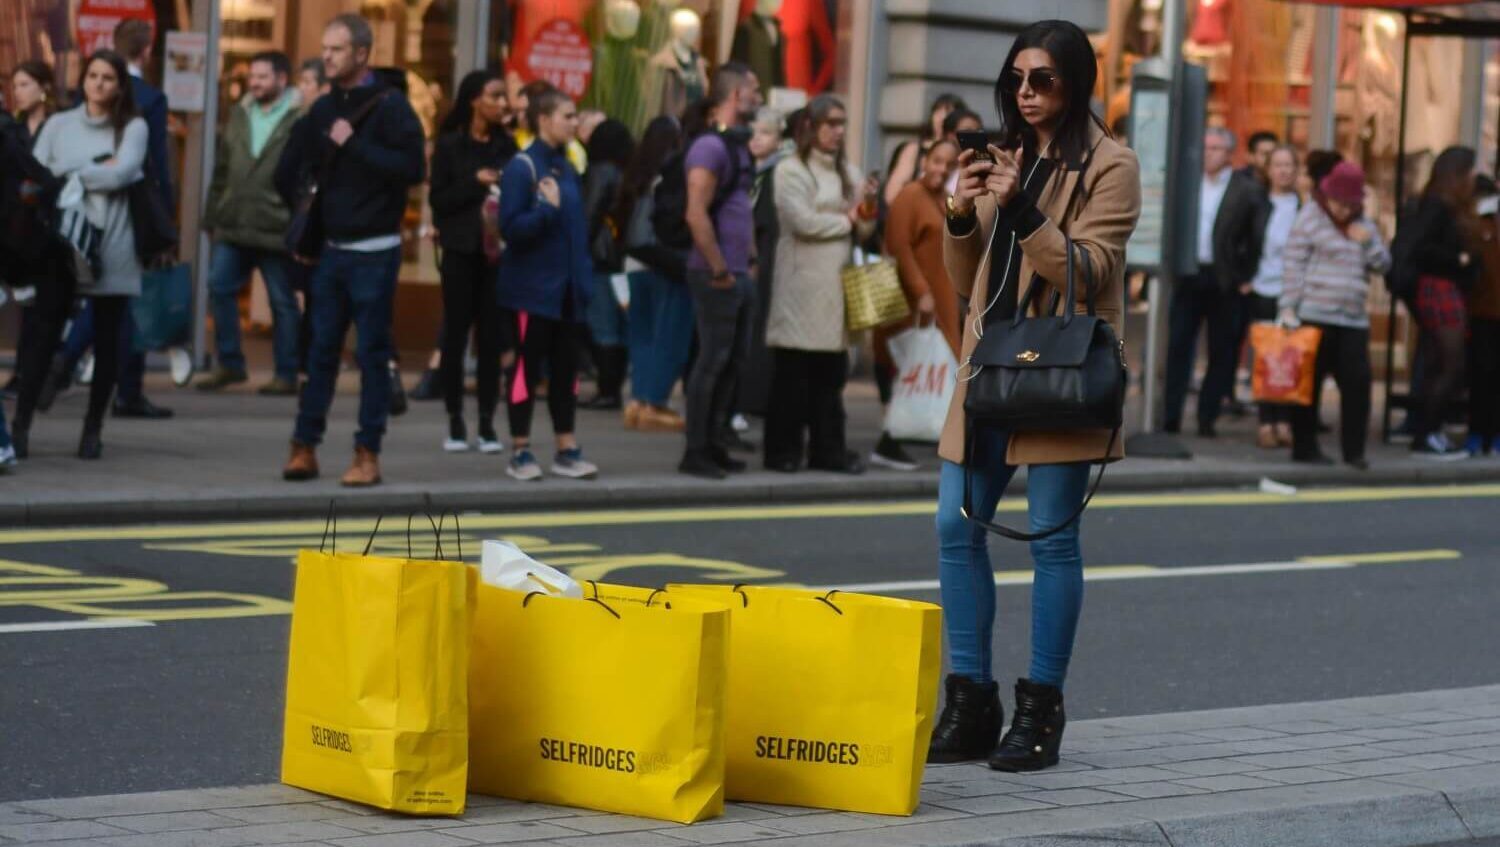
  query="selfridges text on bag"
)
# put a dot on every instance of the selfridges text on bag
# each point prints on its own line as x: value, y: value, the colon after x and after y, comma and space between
x: 612, y: 702
x: 377, y: 697
x: 831, y: 696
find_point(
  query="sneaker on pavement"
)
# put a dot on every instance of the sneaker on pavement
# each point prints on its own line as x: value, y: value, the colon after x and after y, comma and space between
x: 740, y: 423
x: 890, y: 454
x: 572, y: 465
x: 86, y: 370
x: 221, y: 378
x: 1437, y: 448
x: 7, y: 458
x: 278, y: 387
x: 489, y: 442
x: 523, y: 466
x: 458, y: 436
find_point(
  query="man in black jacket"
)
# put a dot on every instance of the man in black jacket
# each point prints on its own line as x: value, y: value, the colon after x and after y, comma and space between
x: 365, y: 144
x: 1228, y: 254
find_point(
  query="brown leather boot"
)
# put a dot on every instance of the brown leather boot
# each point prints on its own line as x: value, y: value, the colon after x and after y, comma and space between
x: 302, y: 466
x: 364, y: 472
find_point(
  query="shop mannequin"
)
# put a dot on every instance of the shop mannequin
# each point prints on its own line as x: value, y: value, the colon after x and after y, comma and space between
x: 618, y: 62
x: 1211, y: 23
x: 684, y: 73
x: 758, y: 42
x: 810, y: 45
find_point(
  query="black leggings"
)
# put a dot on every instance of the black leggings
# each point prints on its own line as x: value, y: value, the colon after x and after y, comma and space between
x: 49, y: 313
x: 469, y: 300
x: 109, y: 318
x: 547, y: 346
x: 1448, y: 347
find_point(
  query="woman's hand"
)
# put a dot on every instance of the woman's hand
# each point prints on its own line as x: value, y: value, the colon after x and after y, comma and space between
x: 1359, y: 232
x: 926, y: 304
x: 971, y: 177
x: 487, y: 176
x: 551, y: 193
x: 1004, y: 180
x: 1288, y: 318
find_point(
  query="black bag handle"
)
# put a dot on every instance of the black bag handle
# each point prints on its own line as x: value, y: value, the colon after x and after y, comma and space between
x: 457, y: 531
x: 436, y: 534
x: 1023, y: 309
x: 331, y: 521
x: 1015, y: 534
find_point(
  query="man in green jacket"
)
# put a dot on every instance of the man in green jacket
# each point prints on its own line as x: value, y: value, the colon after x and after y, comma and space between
x: 247, y: 220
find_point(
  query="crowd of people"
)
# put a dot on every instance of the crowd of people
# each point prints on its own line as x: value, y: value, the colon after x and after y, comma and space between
x: 707, y: 253
x: 1297, y: 248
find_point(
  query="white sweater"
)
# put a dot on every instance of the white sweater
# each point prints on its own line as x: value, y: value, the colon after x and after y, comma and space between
x: 69, y: 144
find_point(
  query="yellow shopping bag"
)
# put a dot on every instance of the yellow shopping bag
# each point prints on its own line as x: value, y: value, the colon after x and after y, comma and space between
x: 830, y: 697
x: 614, y: 702
x: 377, y: 691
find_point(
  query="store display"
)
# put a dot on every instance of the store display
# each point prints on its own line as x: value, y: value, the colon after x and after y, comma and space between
x: 758, y: 42
x: 618, y: 65
x: 683, y: 70
x: 810, y: 46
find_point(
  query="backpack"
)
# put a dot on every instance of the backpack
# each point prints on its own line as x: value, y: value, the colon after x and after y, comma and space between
x: 669, y: 200
x: 489, y: 217
x: 1401, y: 279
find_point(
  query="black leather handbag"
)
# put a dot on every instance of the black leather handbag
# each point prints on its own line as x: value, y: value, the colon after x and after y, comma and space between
x: 1052, y: 372
x: 151, y: 221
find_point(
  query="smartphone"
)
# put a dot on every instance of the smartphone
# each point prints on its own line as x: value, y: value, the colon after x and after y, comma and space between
x: 978, y: 141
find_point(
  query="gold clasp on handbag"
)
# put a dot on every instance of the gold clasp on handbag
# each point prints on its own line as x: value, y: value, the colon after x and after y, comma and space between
x: 1028, y: 356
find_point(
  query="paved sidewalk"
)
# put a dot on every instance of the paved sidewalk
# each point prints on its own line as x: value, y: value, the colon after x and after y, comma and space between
x: 1389, y: 771
x: 222, y: 455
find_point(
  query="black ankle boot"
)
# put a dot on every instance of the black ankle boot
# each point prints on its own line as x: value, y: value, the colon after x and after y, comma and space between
x: 1035, y: 734
x: 970, y: 722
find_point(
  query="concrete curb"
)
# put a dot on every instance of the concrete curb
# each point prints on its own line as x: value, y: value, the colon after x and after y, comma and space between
x: 671, y: 490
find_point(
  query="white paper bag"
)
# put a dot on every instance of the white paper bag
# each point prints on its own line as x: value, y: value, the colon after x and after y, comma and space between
x: 503, y: 565
x: 925, y: 374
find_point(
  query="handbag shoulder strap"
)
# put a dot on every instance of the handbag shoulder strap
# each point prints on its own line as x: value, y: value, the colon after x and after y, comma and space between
x: 355, y: 119
x: 1015, y: 534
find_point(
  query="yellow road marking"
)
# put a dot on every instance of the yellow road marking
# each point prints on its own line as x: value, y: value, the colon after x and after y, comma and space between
x: 354, y: 533
x: 1395, y: 557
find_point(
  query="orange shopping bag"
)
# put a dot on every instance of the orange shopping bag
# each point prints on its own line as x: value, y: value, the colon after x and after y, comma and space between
x: 1285, y: 363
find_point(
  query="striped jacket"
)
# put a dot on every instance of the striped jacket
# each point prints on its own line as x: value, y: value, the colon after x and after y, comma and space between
x: 1327, y: 274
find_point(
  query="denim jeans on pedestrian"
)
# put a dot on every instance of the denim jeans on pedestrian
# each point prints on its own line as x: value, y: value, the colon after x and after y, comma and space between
x: 4, y: 430
x: 358, y: 287
x: 229, y: 269
x: 723, y: 316
x: 661, y: 335
x: 967, y: 577
x: 608, y: 323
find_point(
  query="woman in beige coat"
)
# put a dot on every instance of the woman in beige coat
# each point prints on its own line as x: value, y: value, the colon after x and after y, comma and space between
x: 1056, y: 173
x: 820, y: 204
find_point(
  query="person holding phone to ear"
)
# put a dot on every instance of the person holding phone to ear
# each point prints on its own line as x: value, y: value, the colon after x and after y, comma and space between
x: 1056, y: 177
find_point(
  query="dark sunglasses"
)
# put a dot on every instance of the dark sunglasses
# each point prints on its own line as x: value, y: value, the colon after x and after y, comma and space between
x: 1042, y: 81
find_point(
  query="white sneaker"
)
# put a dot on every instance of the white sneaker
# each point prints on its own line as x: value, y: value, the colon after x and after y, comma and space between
x: 740, y: 424
x: 7, y: 458
x: 86, y: 370
x: 455, y: 445
x: 490, y: 447
x: 571, y: 464
x: 523, y: 466
x: 1438, y: 448
x: 181, y: 364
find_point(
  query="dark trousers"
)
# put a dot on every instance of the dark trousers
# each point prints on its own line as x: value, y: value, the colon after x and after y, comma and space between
x: 1197, y: 300
x: 1345, y: 354
x: 1484, y: 379
x: 1260, y: 308
x: 111, y: 320
x: 548, y: 347
x: 723, y: 318
x: 469, y: 301
x: 49, y: 313
x: 130, y: 373
x: 807, y: 396
x: 360, y: 288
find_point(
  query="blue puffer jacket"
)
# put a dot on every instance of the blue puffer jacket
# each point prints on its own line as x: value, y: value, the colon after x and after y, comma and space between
x: 546, y: 258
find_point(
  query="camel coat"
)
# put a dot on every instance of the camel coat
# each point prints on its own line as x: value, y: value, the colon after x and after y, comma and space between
x: 1102, y: 219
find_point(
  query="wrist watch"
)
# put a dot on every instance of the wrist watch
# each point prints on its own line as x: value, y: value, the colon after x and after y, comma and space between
x: 954, y: 214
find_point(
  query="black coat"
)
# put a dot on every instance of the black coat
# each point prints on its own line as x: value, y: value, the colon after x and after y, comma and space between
x: 601, y: 194
x: 456, y: 195
x: 1240, y: 232
x: 1437, y: 244
x: 363, y: 193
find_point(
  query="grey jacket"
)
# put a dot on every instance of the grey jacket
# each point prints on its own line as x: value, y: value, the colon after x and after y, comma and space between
x: 69, y: 144
x: 1326, y: 275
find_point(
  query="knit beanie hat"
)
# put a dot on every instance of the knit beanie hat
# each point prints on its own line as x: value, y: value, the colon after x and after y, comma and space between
x: 1345, y: 183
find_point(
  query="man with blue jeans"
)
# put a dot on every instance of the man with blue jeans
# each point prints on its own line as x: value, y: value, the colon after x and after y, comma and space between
x: 719, y: 214
x: 366, y: 144
x: 248, y: 219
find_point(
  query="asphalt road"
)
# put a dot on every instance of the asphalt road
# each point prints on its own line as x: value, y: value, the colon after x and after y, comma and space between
x: 153, y: 657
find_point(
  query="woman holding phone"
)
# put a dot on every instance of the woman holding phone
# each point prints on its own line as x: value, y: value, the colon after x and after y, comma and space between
x: 1057, y: 176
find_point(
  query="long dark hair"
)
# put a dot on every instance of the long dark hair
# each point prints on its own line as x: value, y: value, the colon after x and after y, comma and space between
x: 611, y: 142
x: 1452, y: 179
x: 662, y: 138
x: 807, y: 136
x: 1077, y: 71
x: 122, y: 111
x: 461, y: 116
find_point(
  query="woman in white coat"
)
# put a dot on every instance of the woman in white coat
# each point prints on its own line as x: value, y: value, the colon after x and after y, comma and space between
x: 820, y: 206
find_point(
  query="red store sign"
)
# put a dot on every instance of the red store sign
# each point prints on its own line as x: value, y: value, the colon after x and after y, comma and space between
x: 558, y: 53
x: 97, y: 20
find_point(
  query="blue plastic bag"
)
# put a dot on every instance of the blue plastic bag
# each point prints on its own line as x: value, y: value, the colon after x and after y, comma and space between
x: 164, y: 311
